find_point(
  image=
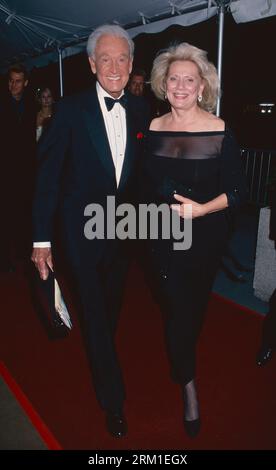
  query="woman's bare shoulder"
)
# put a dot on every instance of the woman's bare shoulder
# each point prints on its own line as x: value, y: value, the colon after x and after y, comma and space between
x: 157, y: 124
x: 214, y: 123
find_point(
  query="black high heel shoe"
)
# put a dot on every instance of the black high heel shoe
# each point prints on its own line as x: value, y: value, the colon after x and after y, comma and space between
x: 192, y: 427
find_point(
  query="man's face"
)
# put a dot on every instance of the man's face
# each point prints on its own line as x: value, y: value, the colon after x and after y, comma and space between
x: 112, y: 64
x: 136, y: 85
x: 17, y: 83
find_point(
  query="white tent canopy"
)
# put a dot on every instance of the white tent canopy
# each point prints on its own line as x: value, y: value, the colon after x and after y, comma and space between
x: 39, y: 31
x: 32, y: 31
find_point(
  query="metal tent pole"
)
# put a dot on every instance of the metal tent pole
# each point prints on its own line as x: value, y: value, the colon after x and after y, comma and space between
x: 221, y: 12
x: 60, y: 72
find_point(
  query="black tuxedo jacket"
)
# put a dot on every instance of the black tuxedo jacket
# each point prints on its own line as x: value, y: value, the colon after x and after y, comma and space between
x: 75, y: 168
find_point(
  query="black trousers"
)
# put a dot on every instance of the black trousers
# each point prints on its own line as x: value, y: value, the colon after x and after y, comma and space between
x: 101, y: 293
x: 182, y: 288
x: 185, y: 300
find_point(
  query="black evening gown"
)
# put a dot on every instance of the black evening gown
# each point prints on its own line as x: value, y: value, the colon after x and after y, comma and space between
x: 200, y: 166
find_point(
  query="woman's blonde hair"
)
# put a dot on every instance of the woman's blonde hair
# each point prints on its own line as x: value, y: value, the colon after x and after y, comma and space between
x: 207, y: 72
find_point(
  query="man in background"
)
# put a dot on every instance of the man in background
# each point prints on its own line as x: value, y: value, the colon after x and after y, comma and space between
x: 137, y: 82
x: 137, y: 87
x: 17, y: 137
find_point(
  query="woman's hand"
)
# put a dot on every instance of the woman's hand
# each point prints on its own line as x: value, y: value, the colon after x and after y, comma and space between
x: 194, y: 210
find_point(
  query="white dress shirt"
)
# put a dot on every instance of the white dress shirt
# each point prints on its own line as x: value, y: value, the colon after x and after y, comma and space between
x: 115, y: 125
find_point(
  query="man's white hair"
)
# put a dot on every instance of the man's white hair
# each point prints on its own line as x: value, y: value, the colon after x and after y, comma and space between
x: 108, y: 30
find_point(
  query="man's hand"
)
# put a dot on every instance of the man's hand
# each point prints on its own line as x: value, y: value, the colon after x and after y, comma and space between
x: 42, y: 258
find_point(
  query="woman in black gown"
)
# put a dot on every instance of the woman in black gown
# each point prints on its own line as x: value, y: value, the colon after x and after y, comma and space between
x: 192, y: 158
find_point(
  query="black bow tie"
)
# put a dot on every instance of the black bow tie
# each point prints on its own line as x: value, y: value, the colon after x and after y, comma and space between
x: 109, y: 102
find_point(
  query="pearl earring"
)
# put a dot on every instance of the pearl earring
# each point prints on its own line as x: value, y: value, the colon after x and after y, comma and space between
x: 199, y: 98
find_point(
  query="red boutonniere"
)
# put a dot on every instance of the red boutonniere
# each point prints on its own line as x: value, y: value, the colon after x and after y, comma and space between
x: 139, y: 136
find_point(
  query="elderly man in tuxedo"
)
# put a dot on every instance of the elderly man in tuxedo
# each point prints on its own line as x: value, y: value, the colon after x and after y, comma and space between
x: 90, y: 151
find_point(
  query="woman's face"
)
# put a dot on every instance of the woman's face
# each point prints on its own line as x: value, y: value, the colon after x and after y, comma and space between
x: 183, y: 84
x: 46, y: 97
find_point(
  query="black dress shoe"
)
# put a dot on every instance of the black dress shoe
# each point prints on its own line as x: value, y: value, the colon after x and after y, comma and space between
x: 264, y: 356
x: 116, y: 424
x: 192, y: 427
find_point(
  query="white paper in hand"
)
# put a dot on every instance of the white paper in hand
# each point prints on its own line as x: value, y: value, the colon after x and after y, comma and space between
x: 61, y: 307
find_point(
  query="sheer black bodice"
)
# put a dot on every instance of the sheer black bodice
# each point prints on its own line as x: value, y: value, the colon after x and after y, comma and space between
x: 191, y: 164
x: 184, y: 163
x: 200, y: 166
x: 186, y: 145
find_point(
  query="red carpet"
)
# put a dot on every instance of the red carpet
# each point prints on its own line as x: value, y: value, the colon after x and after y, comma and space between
x: 238, y: 399
x: 34, y: 417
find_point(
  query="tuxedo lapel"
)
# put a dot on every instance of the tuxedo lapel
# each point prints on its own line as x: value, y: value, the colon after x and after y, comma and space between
x: 96, y: 128
x: 130, y: 148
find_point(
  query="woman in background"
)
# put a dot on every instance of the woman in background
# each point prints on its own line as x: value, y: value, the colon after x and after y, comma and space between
x: 46, y: 102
